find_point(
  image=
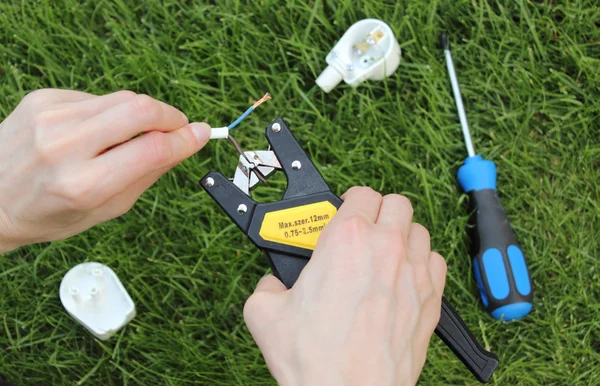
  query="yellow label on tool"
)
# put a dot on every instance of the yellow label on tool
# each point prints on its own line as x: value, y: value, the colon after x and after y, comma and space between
x: 300, y: 226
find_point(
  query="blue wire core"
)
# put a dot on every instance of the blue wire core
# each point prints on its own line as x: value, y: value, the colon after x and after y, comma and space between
x: 241, y: 118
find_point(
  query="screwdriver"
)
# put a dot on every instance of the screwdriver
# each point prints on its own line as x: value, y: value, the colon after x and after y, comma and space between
x: 499, y: 265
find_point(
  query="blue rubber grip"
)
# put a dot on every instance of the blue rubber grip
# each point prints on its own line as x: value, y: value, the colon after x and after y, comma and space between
x: 477, y: 174
x: 499, y: 266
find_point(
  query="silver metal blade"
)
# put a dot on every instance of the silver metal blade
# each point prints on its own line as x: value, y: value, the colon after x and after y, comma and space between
x: 245, y: 177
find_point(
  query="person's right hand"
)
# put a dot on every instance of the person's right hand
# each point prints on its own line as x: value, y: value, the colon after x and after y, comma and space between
x: 69, y: 160
x: 364, y: 307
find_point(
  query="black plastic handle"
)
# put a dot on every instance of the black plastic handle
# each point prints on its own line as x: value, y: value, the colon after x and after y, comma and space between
x: 499, y: 264
x: 452, y: 330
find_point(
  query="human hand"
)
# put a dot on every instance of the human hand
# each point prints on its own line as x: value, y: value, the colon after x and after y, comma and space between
x: 365, y: 306
x: 68, y: 160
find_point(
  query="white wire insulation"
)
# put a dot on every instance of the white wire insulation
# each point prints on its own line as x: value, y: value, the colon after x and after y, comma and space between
x: 219, y: 133
x: 459, y: 104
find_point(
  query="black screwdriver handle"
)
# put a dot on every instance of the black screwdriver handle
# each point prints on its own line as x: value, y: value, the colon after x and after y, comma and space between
x: 499, y: 264
x: 452, y: 330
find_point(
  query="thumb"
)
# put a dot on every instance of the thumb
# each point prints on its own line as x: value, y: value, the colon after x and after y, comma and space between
x: 271, y: 284
x: 188, y: 140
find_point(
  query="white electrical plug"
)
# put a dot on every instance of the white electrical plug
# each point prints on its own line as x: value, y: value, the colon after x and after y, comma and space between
x: 94, y: 296
x: 367, y: 51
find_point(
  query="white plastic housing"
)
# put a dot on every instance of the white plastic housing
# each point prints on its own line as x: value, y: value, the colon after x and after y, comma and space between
x: 94, y: 296
x: 367, y: 51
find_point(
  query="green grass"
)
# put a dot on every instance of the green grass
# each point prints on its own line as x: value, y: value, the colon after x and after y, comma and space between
x: 530, y: 75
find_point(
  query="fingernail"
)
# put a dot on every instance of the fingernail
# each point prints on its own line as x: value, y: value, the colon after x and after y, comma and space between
x: 185, y: 118
x: 201, y: 131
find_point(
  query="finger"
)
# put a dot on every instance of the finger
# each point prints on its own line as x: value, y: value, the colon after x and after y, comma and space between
x: 129, y: 162
x: 419, y: 244
x: 59, y: 96
x: 438, y: 270
x: 38, y: 99
x: 93, y: 106
x: 271, y: 284
x: 65, y: 96
x: 121, y: 203
x: 125, y: 120
x: 396, y: 213
x: 360, y: 201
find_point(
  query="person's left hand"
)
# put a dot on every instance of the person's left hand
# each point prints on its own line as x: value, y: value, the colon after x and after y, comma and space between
x: 70, y: 160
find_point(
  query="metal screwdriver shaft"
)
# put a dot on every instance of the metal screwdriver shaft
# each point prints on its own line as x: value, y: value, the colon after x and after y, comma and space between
x: 456, y: 90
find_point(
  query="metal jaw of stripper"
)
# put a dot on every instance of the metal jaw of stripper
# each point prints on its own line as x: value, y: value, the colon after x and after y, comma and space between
x: 287, y: 230
x: 253, y: 167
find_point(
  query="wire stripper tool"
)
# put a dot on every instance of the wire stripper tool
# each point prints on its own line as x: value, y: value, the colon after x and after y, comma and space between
x: 287, y: 230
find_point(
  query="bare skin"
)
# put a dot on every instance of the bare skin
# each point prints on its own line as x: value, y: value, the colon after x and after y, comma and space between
x: 363, y: 310
x: 69, y: 160
x: 361, y: 313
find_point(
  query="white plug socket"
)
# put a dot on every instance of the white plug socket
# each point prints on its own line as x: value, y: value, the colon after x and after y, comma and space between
x: 94, y: 296
x: 367, y: 51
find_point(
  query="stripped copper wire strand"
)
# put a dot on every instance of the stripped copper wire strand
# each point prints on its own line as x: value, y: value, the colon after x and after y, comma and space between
x: 262, y: 100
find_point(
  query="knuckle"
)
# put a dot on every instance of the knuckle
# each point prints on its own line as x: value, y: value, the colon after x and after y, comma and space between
x: 401, y: 201
x: 253, y: 308
x: 364, y: 191
x: 354, y: 227
x: 439, y: 259
x: 160, y: 152
x: 125, y: 94
x: 44, y: 120
x: 43, y: 142
x: 145, y: 107
x: 37, y: 97
x: 49, y: 144
x: 423, y: 281
x: 189, y: 140
x: 420, y: 231
x: 41, y: 120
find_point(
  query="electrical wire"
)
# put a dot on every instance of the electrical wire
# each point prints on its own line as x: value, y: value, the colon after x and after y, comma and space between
x: 261, y: 177
x: 240, y: 118
x: 259, y: 102
x: 223, y: 132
